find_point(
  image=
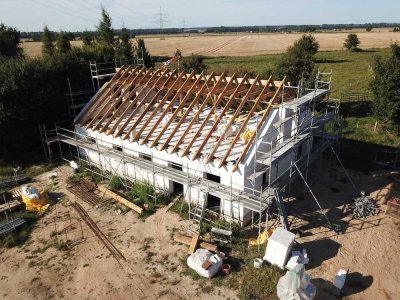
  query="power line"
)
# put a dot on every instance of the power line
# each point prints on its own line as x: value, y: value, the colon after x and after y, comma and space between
x: 63, y: 9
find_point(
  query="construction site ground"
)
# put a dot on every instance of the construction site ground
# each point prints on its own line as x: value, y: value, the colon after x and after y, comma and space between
x: 154, y: 268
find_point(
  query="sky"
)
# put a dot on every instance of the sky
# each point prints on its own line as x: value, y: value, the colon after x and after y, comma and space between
x: 76, y: 15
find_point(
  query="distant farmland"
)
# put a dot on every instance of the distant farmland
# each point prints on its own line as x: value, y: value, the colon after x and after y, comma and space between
x: 246, y: 44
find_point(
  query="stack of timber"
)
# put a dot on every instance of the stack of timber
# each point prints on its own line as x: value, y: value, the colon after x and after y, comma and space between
x: 187, y: 240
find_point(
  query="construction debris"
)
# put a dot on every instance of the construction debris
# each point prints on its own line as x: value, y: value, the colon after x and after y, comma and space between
x: 83, y: 190
x: 193, y: 243
x: 92, y: 225
x: 187, y: 240
x: 120, y: 199
x: 364, y: 207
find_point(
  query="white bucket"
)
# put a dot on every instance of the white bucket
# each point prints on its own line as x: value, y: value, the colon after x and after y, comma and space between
x: 258, y: 263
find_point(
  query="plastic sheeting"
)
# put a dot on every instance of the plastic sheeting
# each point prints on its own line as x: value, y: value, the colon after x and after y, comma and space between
x: 196, y: 260
x: 295, y: 285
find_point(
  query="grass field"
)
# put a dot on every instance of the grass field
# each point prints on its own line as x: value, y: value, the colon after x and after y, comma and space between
x: 351, y: 70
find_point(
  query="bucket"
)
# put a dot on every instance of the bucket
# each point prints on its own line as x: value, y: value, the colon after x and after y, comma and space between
x: 226, y: 269
x: 258, y: 263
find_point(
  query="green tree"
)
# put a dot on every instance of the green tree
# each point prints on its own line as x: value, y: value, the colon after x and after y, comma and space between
x: 298, y: 61
x: 105, y: 33
x: 62, y: 43
x: 142, y: 53
x: 124, y: 46
x: 369, y: 29
x: 87, y: 38
x: 194, y: 63
x: 386, y: 89
x: 352, y: 42
x: 9, y: 41
x: 47, y: 42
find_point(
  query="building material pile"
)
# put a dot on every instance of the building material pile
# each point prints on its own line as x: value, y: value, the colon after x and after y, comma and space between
x: 83, y: 189
x: 364, y: 207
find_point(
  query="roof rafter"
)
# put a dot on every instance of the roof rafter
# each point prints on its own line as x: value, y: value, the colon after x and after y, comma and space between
x: 149, y: 105
x: 150, y: 84
x: 93, y: 104
x: 186, y: 113
x: 103, y: 113
x: 169, y: 106
x: 264, y: 116
x: 210, y: 113
x: 196, y: 116
x: 125, y: 102
x: 163, y: 101
x: 256, y: 82
x: 220, y: 115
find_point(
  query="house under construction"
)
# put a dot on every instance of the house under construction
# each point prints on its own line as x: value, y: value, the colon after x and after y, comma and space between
x: 230, y: 145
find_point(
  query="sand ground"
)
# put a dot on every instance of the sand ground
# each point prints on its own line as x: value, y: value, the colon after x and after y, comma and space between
x: 153, y: 270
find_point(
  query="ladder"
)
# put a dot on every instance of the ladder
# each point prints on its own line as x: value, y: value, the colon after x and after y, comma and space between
x: 281, y: 209
x: 196, y: 216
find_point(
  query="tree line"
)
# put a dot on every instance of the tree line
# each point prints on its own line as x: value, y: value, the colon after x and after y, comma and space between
x: 227, y: 29
x: 33, y: 90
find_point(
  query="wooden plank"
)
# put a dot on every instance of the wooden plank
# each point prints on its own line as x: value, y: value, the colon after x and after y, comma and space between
x: 120, y: 199
x: 10, y: 205
x: 193, y: 243
x: 187, y: 240
x: 264, y: 116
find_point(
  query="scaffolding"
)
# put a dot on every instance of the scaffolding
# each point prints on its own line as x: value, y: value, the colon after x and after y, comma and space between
x: 312, y: 110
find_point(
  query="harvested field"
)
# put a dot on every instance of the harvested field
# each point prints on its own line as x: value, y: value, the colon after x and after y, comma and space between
x: 245, y: 44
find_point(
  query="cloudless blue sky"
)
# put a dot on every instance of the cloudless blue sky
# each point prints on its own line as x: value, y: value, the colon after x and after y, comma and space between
x: 71, y: 15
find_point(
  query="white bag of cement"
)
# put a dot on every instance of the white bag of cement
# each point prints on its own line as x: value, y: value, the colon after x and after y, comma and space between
x: 279, y: 246
x: 196, y: 260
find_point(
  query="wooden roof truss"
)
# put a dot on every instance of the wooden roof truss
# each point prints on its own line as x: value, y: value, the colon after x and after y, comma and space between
x: 181, y: 112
